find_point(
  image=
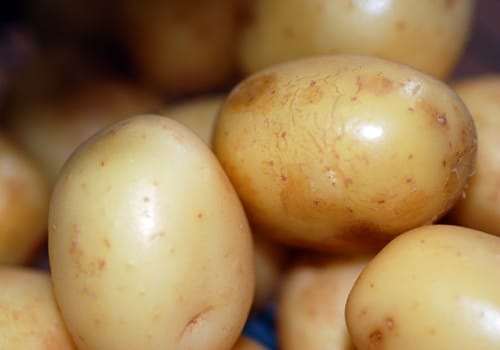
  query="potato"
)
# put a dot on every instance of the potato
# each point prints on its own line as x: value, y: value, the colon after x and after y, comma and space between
x: 342, y: 153
x: 312, y: 302
x: 62, y: 110
x: 428, y: 34
x: 24, y: 204
x: 29, y: 317
x: 197, y: 113
x: 246, y: 343
x: 434, y: 287
x: 270, y: 262
x: 149, y: 245
x: 480, y: 207
x: 181, y: 46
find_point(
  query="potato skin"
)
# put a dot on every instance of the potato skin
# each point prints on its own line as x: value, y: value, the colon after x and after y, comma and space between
x: 148, y: 243
x: 342, y: 153
x: 246, y: 343
x: 24, y: 205
x: 312, y: 302
x: 29, y: 316
x: 429, y: 35
x: 480, y: 207
x: 435, y: 287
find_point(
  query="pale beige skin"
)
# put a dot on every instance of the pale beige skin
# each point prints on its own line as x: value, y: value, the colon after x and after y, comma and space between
x: 52, y: 125
x: 480, y: 207
x: 428, y: 34
x: 29, y: 317
x: 148, y: 243
x: 24, y: 200
x: 434, y: 287
x: 181, y: 46
x: 342, y: 153
x: 312, y: 303
x: 198, y: 113
x: 245, y: 343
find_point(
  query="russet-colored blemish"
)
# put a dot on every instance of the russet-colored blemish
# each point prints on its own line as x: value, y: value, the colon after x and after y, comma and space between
x: 410, y: 156
x: 253, y: 91
x: 199, y: 215
x: 450, y: 4
x: 376, y: 337
x: 441, y: 119
x: 101, y: 163
x: 376, y: 84
x: 107, y: 243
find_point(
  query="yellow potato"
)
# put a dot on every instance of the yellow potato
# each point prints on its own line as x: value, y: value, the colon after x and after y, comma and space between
x: 246, y: 343
x: 149, y: 245
x: 270, y: 261
x: 181, y: 46
x: 29, y: 317
x: 427, y: 34
x: 198, y: 113
x: 51, y: 120
x: 24, y: 200
x: 312, y: 303
x: 342, y: 153
x: 480, y: 207
x: 435, y: 287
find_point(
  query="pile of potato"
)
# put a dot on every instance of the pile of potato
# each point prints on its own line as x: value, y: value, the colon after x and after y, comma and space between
x: 189, y: 164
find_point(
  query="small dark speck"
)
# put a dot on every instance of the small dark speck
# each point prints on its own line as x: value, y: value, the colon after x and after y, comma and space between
x: 283, y: 178
x: 410, y: 156
x: 382, y: 201
x: 312, y: 83
x: 422, y: 241
x: 146, y: 199
x: 102, y: 163
x: 372, y: 285
x: 200, y: 215
x: 283, y: 134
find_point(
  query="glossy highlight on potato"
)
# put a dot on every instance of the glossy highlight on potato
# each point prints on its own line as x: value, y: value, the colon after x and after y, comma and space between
x: 342, y: 152
x: 149, y: 245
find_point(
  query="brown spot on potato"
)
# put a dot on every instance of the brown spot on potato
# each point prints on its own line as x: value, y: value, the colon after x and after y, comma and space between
x: 253, y: 91
x: 376, y: 84
x: 450, y: 4
x: 107, y: 243
x: 410, y: 156
x: 146, y: 199
x: 400, y: 26
x: 101, y: 163
x: 200, y: 215
x: 376, y: 337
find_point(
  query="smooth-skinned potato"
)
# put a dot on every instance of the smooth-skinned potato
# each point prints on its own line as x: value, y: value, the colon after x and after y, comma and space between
x: 181, y: 46
x: 343, y: 152
x: 435, y: 287
x: 149, y: 245
x: 59, y: 101
x: 29, y: 316
x: 480, y: 207
x: 198, y: 113
x: 430, y: 35
x: 24, y: 201
x: 312, y: 301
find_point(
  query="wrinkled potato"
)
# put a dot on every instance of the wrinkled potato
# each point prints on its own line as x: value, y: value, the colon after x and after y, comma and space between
x: 24, y: 200
x: 480, y: 207
x: 64, y: 108
x: 428, y: 34
x: 246, y: 343
x: 312, y: 302
x: 181, y: 46
x: 342, y: 153
x: 199, y: 114
x: 149, y: 245
x: 434, y: 287
x: 29, y: 317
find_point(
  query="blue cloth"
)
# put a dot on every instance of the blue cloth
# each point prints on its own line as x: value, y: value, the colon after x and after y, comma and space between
x: 262, y: 327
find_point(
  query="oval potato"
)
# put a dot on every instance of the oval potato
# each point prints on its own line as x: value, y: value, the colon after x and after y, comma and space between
x: 342, y: 153
x: 24, y: 201
x: 435, y: 287
x: 480, y: 207
x: 429, y: 35
x: 29, y: 315
x: 149, y: 245
x: 312, y: 301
